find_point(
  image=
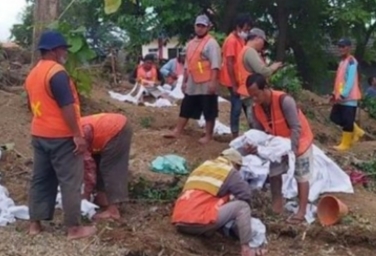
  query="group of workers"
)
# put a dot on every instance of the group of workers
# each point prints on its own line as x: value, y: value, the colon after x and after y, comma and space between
x: 71, y: 150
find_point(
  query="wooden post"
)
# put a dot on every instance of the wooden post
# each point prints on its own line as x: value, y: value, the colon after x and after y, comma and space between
x: 45, y: 12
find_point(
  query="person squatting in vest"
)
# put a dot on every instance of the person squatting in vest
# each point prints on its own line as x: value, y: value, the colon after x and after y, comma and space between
x: 231, y: 48
x: 277, y: 113
x: 205, y: 207
x: 174, y: 68
x: 249, y: 62
x: 148, y: 75
x: 57, y: 139
x: 106, y: 161
x: 345, y: 97
x: 200, y: 84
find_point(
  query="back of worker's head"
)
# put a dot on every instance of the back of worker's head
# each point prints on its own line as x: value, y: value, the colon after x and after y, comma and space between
x: 242, y: 24
x: 371, y: 80
x: 256, y: 87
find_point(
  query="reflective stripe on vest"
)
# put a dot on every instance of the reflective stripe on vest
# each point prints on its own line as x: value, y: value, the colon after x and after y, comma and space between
x: 48, y: 121
x: 105, y: 126
x: 198, y: 67
x: 209, y: 176
x: 340, y: 81
x: 278, y: 125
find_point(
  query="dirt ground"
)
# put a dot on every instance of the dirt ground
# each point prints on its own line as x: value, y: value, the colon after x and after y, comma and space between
x: 145, y: 229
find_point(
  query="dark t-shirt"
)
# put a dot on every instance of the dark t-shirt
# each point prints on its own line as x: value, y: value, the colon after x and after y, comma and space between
x: 61, y: 90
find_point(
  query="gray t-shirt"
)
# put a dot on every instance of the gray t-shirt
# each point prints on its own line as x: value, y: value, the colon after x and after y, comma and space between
x: 211, y: 52
x: 254, y: 64
x: 290, y: 111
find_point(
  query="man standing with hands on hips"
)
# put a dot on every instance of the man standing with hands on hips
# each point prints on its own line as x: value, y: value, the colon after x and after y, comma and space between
x: 57, y: 139
x: 200, y: 84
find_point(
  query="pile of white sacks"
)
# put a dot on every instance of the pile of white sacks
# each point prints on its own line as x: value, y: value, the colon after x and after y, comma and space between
x: 176, y: 93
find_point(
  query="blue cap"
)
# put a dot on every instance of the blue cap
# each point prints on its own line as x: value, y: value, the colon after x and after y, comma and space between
x: 344, y: 42
x: 51, y: 39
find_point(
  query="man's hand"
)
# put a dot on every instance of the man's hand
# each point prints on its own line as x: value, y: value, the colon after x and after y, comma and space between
x: 212, y: 88
x: 276, y: 65
x: 174, y: 76
x: 235, y: 90
x: 184, y: 87
x: 81, y: 145
x: 250, y: 149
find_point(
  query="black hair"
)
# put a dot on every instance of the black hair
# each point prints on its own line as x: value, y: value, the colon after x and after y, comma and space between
x: 150, y: 57
x: 370, y: 80
x: 257, y: 79
x: 250, y: 37
x: 243, y: 19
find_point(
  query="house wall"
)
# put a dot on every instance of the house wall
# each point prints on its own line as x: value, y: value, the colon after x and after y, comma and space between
x: 168, y: 50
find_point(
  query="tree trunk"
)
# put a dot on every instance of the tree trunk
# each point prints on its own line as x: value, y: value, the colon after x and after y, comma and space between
x: 282, y: 21
x: 45, y: 12
x: 229, y: 15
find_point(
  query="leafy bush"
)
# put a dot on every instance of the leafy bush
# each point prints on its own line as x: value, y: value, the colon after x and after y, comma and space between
x: 369, y: 104
x: 79, y: 55
x: 287, y: 79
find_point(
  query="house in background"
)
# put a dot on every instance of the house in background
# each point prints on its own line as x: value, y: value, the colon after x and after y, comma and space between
x: 169, y: 50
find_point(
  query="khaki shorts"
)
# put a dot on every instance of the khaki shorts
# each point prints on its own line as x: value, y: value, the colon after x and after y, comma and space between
x: 303, y: 167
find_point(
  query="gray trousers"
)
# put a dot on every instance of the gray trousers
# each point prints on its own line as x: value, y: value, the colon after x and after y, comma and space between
x: 112, y: 165
x: 239, y: 211
x: 55, y: 165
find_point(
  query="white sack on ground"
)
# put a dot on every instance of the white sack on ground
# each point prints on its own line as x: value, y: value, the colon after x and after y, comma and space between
x: 327, y: 176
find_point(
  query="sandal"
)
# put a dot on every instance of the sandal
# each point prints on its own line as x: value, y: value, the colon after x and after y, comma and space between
x: 294, y: 220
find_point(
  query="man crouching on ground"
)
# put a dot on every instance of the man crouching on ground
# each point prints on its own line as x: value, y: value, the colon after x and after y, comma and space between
x: 106, y: 162
x: 204, y: 207
x: 57, y: 139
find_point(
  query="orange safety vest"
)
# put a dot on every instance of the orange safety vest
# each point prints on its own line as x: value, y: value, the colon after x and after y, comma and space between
x: 48, y: 121
x: 224, y: 77
x: 199, y: 202
x: 146, y: 76
x: 243, y: 73
x: 105, y: 126
x: 340, y: 81
x: 278, y: 125
x: 179, y: 70
x: 197, y: 207
x: 198, y: 67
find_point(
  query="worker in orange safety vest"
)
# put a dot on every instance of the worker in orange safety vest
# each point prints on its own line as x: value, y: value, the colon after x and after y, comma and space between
x: 57, y: 139
x: 200, y: 84
x: 106, y: 161
x: 345, y: 97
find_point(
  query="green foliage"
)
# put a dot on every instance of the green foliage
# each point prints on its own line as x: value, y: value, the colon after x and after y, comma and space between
x: 79, y: 55
x: 287, y: 80
x: 369, y: 104
x: 145, y: 190
x: 23, y: 33
x: 219, y: 36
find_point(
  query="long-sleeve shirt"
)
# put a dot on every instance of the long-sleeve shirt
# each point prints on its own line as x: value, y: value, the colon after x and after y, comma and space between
x: 351, y: 75
x: 169, y: 67
x: 254, y: 63
x: 90, y: 167
x: 290, y: 112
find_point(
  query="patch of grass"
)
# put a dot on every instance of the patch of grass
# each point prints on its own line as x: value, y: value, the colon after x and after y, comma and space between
x: 146, y: 122
x: 146, y: 190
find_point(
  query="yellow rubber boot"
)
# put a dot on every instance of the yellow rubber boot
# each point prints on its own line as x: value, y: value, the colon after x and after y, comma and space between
x: 345, y: 142
x: 357, y: 133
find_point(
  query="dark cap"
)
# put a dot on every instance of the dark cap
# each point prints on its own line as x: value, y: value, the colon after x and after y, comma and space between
x: 344, y: 42
x: 51, y: 39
